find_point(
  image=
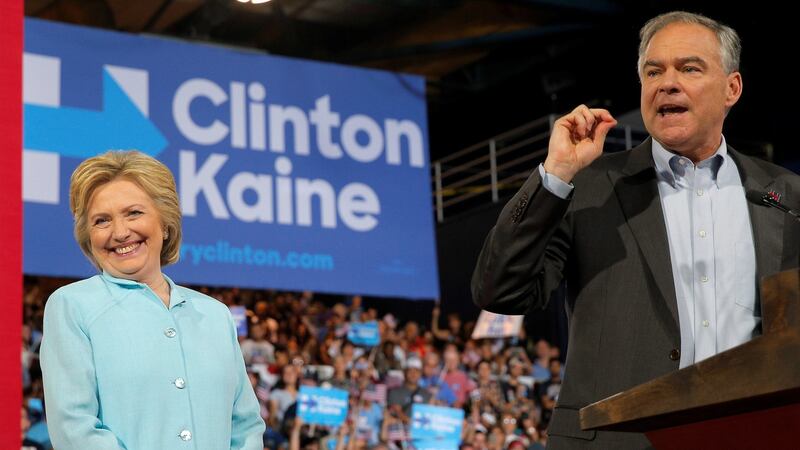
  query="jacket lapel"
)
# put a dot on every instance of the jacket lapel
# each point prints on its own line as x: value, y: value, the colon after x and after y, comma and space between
x: 636, y: 187
x: 767, y: 223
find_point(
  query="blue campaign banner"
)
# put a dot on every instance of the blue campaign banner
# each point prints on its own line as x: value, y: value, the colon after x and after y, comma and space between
x: 322, y: 406
x: 430, y: 422
x: 239, y: 314
x: 292, y: 174
x: 436, y: 444
x: 364, y: 333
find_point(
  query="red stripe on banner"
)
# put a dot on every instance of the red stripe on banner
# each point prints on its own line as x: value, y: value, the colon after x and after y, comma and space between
x: 11, y: 221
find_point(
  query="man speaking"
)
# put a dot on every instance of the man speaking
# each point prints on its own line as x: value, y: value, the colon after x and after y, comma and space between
x: 660, y: 248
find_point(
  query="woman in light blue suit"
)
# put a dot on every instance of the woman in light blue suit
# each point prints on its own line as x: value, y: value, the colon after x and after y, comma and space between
x: 131, y: 360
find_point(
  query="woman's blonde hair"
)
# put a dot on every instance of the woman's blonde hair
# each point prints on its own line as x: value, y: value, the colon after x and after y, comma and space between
x: 148, y: 173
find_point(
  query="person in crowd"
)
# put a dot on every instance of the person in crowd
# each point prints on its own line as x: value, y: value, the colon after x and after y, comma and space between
x: 281, y: 359
x: 541, y: 363
x: 283, y: 395
x: 458, y: 380
x: 130, y: 360
x: 516, y: 444
x: 403, y: 397
x: 433, y: 380
x: 531, y: 432
x: 510, y: 425
x: 453, y: 332
x: 340, y: 378
x: 369, y: 413
x: 488, y: 386
x: 512, y: 387
x: 471, y: 356
x: 256, y: 349
x: 496, y: 439
x: 549, y: 390
x: 385, y: 359
x: 480, y: 441
x: 27, y: 444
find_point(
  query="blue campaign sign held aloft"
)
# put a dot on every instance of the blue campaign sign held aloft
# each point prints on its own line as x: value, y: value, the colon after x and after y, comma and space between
x: 239, y: 314
x: 322, y: 406
x: 430, y: 422
x: 291, y: 174
x: 364, y: 333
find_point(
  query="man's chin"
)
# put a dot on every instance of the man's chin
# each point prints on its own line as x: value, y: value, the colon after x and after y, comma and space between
x: 676, y: 142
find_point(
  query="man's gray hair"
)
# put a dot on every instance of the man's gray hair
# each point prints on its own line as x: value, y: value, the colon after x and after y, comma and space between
x: 729, y: 43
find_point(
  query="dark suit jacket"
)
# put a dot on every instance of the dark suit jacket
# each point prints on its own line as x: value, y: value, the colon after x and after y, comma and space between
x: 609, y: 242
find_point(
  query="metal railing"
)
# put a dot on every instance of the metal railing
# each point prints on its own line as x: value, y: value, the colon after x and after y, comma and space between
x: 487, y: 171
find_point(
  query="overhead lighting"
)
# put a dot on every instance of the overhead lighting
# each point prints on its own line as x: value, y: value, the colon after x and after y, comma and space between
x: 255, y: 2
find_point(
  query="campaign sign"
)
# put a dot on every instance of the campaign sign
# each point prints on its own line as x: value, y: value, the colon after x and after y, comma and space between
x: 322, y: 406
x: 365, y: 333
x: 239, y: 314
x: 436, y: 444
x: 436, y: 422
x: 492, y: 325
x: 291, y: 174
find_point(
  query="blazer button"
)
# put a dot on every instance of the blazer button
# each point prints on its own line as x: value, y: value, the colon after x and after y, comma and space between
x: 675, y: 354
x: 180, y: 383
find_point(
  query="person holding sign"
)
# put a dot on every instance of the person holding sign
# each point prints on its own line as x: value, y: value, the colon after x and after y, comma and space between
x: 130, y: 360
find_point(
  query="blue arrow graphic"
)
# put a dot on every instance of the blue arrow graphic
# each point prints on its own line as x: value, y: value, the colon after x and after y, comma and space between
x: 310, y: 403
x: 422, y: 421
x: 82, y: 133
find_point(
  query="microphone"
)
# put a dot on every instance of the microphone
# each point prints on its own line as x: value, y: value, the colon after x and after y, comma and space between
x: 765, y: 199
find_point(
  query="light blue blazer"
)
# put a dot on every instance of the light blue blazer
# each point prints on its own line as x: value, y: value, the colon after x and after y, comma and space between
x: 122, y: 371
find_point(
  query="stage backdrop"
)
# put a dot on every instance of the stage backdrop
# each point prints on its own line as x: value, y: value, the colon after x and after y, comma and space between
x: 292, y: 174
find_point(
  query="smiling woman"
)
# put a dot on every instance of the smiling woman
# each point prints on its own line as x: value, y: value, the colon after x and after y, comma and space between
x: 125, y: 234
x: 125, y: 354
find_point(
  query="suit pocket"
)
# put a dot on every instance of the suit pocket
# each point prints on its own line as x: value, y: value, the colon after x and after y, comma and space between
x: 745, y: 263
x: 566, y: 422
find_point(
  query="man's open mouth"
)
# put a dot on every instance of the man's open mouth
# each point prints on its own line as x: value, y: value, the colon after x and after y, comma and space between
x: 666, y: 110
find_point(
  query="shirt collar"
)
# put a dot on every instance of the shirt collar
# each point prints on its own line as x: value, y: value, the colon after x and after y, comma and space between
x: 671, y: 167
x: 176, y: 296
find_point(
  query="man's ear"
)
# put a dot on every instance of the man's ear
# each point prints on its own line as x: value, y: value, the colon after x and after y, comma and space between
x: 734, y: 89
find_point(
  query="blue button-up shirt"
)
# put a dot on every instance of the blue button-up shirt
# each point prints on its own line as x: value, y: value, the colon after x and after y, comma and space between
x: 123, y: 371
x: 711, y: 249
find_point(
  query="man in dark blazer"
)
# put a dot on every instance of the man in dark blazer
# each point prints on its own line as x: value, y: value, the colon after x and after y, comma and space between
x: 622, y: 230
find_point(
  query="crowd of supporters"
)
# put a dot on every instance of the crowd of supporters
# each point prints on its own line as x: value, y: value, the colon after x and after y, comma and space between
x: 506, y: 387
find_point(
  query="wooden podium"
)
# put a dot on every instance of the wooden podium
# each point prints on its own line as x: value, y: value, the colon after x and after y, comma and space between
x: 745, y: 398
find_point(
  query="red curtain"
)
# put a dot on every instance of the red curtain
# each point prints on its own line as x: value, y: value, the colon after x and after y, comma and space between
x: 11, y: 13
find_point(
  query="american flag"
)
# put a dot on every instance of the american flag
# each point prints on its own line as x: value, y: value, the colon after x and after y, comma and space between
x: 375, y: 393
x: 262, y: 393
x: 263, y: 411
x: 397, y: 432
